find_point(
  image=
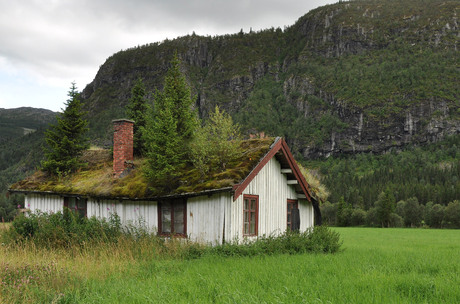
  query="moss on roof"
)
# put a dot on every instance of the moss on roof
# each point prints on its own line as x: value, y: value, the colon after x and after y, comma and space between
x: 96, y: 178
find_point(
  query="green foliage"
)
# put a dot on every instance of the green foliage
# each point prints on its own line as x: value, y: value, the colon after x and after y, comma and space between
x: 66, y: 140
x: 169, y: 132
x: 452, y: 214
x: 429, y: 173
x: 137, y: 109
x: 385, y: 206
x: 65, y: 229
x: 216, y: 144
x: 344, y: 212
x: 320, y: 239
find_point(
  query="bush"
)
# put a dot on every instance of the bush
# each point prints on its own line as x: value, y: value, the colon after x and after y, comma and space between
x: 328, y: 213
x: 396, y: 220
x: 320, y: 239
x: 358, y: 217
x: 452, y: 214
x: 65, y: 229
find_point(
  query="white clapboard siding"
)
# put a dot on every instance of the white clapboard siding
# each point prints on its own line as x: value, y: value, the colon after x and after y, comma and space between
x: 306, y: 215
x: 44, y: 203
x: 206, y: 216
x: 273, y: 190
x: 130, y: 212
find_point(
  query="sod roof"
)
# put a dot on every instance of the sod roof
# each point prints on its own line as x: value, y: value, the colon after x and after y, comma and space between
x: 96, y: 179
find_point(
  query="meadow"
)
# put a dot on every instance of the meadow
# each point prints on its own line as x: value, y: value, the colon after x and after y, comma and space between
x: 374, y: 266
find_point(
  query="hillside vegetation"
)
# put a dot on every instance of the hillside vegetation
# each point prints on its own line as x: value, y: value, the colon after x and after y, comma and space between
x: 357, y: 76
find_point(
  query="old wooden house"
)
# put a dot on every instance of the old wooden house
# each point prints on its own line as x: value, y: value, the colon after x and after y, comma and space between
x: 262, y: 193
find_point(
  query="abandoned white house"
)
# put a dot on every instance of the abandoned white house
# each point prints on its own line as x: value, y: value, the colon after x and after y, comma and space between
x: 263, y: 193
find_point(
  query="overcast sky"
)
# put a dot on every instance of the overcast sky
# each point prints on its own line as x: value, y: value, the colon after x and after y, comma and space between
x: 47, y: 44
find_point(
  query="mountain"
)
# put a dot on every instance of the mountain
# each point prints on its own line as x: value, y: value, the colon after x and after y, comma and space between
x: 17, y: 122
x: 21, y: 138
x: 358, y: 76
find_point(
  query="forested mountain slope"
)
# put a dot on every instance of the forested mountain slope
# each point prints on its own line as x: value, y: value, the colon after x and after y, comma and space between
x: 21, y: 138
x: 17, y: 122
x: 357, y: 76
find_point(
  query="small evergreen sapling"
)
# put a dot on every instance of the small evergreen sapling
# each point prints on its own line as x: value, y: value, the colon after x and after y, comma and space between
x: 217, y: 143
x: 65, y: 141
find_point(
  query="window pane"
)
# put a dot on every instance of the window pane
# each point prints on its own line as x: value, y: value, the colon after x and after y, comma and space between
x: 246, y: 204
x: 246, y: 217
x: 179, y: 220
x: 253, y: 217
x: 166, y: 220
x: 72, y: 202
x: 246, y: 228
x: 289, y: 218
x: 253, y: 228
x: 253, y: 205
x: 81, y: 203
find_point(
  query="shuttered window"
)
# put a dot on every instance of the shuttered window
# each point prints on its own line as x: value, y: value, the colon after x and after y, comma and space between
x: 250, y: 214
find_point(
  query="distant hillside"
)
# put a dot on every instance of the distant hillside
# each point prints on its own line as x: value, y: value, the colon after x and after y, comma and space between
x: 21, y: 138
x: 18, y: 122
x: 358, y: 76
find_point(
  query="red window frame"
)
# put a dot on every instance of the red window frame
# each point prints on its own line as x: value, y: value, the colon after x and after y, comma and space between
x: 76, y: 205
x: 173, y: 207
x: 250, y: 215
x: 294, y: 205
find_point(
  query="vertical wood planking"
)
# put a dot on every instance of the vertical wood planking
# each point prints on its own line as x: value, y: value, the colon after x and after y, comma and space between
x: 44, y: 203
x: 273, y: 191
x: 205, y: 217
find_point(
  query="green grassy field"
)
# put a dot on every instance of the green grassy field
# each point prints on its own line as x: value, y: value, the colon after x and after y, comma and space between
x: 376, y: 266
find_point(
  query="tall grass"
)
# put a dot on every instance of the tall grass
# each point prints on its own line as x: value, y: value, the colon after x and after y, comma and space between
x: 58, y: 257
x: 377, y: 266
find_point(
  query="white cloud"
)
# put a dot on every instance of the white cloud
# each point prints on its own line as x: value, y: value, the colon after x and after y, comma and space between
x: 49, y: 44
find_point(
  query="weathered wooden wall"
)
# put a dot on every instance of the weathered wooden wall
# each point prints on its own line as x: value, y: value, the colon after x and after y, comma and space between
x: 44, y: 203
x: 206, y: 216
x: 273, y: 191
x: 130, y: 212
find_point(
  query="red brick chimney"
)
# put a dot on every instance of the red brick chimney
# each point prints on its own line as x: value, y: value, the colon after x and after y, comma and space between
x: 122, y: 146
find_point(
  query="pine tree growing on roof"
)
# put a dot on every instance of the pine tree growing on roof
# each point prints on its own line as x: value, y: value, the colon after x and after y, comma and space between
x: 65, y: 141
x: 170, y: 130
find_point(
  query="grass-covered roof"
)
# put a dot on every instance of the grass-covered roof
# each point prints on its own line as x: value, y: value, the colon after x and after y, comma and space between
x: 96, y: 178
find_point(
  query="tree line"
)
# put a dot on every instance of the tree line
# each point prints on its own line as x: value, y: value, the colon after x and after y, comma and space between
x: 423, y: 184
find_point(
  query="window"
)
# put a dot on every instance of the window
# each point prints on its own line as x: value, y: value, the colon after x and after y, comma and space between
x: 76, y: 204
x: 172, y: 217
x: 293, y: 220
x: 250, y: 214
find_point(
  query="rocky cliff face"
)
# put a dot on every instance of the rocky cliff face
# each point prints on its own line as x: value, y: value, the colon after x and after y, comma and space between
x: 225, y: 70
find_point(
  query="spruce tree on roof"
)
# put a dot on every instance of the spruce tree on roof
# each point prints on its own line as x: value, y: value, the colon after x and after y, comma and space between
x: 169, y: 131
x: 66, y: 141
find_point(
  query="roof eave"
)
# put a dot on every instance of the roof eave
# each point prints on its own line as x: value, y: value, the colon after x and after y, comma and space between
x: 153, y: 198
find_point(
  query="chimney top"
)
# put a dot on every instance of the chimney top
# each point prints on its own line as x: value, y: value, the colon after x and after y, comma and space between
x: 122, y: 120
